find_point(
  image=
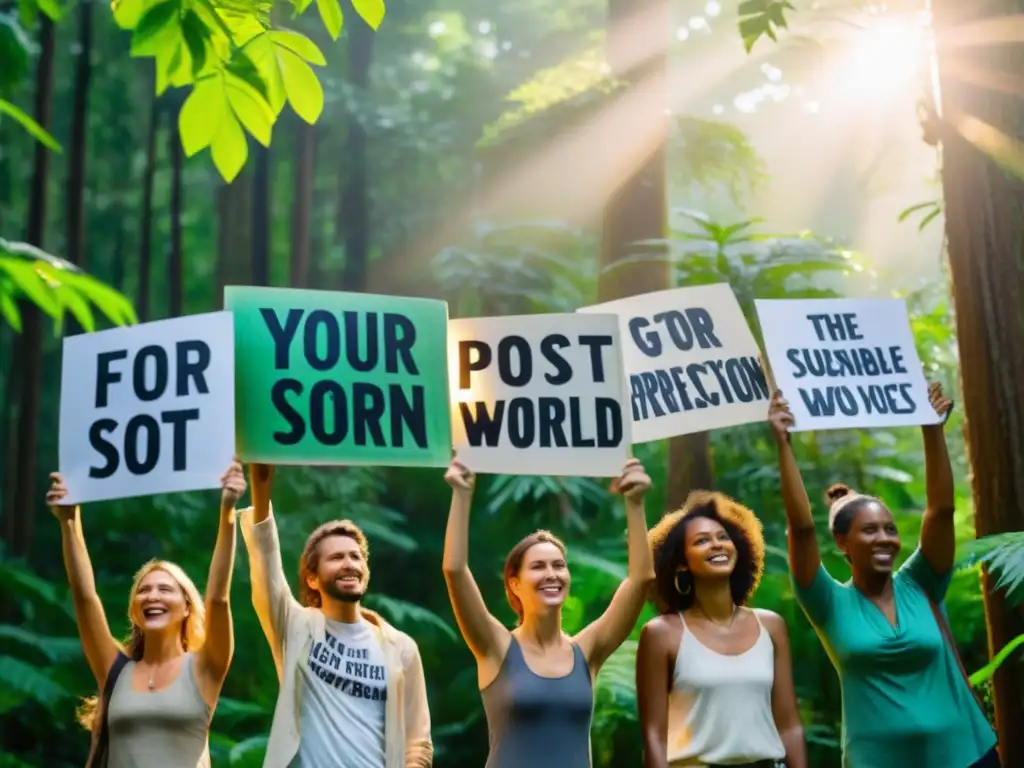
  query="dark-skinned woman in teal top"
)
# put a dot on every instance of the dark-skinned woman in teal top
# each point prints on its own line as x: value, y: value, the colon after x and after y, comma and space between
x: 906, y: 701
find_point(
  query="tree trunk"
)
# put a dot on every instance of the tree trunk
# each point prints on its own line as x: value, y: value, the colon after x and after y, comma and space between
x: 261, y: 217
x: 234, y: 234
x: 146, y: 224
x: 984, y: 210
x: 75, y: 190
x: 637, y: 210
x: 175, y: 265
x: 354, y: 218
x: 19, y: 525
x: 302, y: 203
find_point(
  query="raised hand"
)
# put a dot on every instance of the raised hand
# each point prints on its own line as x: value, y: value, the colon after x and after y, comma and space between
x: 459, y: 477
x: 57, y: 492
x: 233, y: 484
x: 634, y: 481
x: 780, y: 418
x: 943, y: 405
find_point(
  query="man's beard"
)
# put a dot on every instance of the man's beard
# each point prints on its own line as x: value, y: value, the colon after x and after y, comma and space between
x: 345, y: 596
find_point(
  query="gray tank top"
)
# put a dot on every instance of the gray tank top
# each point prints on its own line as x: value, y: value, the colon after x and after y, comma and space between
x: 539, y: 722
x: 165, y: 729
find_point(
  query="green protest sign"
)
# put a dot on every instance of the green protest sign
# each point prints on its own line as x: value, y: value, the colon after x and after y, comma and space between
x: 324, y: 377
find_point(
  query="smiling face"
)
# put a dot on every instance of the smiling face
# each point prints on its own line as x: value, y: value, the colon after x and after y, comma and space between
x: 159, y: 603
x: 872, y: 542
x: 708, y: 549
x: 542, y: 583
x: 341, y: 571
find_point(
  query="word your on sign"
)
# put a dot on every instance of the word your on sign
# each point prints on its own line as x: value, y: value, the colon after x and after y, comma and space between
x: 538, y: 394
x: 148, y: 409
x: 340, y: 378
x: 691, y: 361
x: 846, y: 362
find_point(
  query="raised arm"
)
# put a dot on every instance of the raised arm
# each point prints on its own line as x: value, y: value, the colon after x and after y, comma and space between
x: 599, y: 640
x: 938, y: 538
x: 653, y: 676
x: 785, y: 710
x: 486, y: 637
x: 215, y: 655
x: 98, y: 644
x: 804, y: 555
x: 271, y: 596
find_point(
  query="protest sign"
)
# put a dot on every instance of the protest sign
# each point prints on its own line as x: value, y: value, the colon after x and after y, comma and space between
x: 326, y: 377
x: 147, y: 409
x: 691, y: 362
x: 845, y: 363
x: 538, y: 395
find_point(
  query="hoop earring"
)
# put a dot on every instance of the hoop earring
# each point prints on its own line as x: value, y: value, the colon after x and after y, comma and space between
x: 689, y: 584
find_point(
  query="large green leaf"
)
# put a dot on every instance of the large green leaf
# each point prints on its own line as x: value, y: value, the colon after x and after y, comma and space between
x: 407, y: 616
x: 330, y: 14
x: 1004, y: 555
x: 37, y: 131
x: 23, y: 678
x: 372, y: 11
x: 985, y: 673
x: 30, y: 644
x: 157, y: 29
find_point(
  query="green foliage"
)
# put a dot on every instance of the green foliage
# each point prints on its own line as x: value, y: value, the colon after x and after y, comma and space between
x: 931, y: 210
x: 713, y: 152
x: 762, y: 18
x: 34, y: 129
x: 241, y: 69
x: 1003, y: 554
x: 56, y: 287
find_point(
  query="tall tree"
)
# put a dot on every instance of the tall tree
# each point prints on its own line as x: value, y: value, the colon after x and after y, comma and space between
x: 637, y: 210
x: 984, y: 209
x: 78, y: 149
x: 261, y: 185
x: 146, y: 216
x: 19, y: 525
x: 175, y: 264
x: 302, y: 203
x: 354, y: 209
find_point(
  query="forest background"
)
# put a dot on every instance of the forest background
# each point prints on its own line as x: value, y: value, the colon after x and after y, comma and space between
x: 520, y: 157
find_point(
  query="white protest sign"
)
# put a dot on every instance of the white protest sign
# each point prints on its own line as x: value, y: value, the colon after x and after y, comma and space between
x: 148, y: 409
x: 845, y: 363
x: 691, y: 361
x: 538, y: 395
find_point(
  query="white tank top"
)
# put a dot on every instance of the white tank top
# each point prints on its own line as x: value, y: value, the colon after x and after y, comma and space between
x: 720, y: 707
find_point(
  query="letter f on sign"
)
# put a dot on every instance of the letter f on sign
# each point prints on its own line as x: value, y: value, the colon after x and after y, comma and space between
x: 104, y: 376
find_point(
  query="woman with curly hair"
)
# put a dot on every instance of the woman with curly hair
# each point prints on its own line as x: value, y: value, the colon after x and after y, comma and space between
x: 906, y: 700
x: 161, y: 686
x: 537, y: 683
x: 714, y: 678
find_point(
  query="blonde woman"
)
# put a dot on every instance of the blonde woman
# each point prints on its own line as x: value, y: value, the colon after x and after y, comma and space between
x: 161, y: 686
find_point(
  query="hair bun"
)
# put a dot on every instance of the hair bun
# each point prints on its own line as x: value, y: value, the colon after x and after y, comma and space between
x: 837, y: 491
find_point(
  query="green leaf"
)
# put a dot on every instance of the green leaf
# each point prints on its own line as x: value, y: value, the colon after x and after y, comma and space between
x: 8, y: 307
x: 330, y: 13
x: 37, y: 131
x: 298, y: 44
x: 304, y: 91
x: 30, y: 284
x: 51, y: 9
x: 155, y: 28
x: 407, y: 615
x: 52, y: 649
x: 25, y: 679
x: 14, y: 46
x: 127, y: 13
x: 229, y: 147
x: 986, y: 672
x: 372, y: 11
x: 250, y: 108
x: 114, y: 305
x: 195, y: 34
x: 201, y: 115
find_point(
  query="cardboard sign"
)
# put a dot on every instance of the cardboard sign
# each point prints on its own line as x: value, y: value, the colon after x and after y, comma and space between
x: 538, y: 395
x: 691, y: 361
x: 326, y: 377
x: 148, y: 409
x: 846, y: 363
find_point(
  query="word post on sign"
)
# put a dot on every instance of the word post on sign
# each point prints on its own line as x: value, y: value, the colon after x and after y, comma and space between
x: 538, y: 395
x: 846, y: 363
x: 326, y: 377
x: 691, y: 362
x: 147, y: 409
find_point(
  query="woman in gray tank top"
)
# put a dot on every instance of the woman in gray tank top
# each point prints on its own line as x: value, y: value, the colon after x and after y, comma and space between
x: 178, y: 651
x: 537, y: 683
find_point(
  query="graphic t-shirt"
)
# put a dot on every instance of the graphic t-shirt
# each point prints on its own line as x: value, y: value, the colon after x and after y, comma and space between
x: 905, y: 701
x: 343, y: 692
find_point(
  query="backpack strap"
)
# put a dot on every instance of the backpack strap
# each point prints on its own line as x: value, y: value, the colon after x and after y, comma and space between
x: 948, y: 635
x: 98, y: 752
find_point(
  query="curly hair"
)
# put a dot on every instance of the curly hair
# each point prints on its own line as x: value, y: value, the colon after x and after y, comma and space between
x: 514, y: 562
x: 309, y: 562
x: 668, y: 546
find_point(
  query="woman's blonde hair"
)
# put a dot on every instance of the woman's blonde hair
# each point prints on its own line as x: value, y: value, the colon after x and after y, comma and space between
x: 193, y: 629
